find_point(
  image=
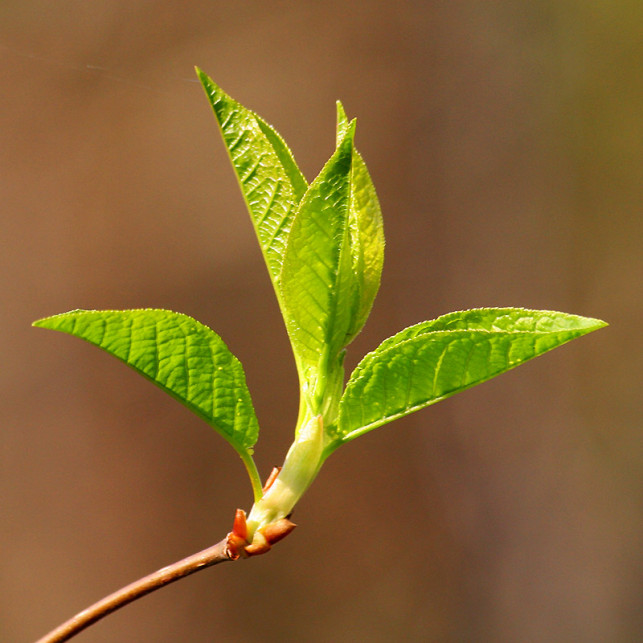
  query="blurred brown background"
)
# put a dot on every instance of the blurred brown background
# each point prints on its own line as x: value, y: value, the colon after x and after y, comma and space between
x: 506, y: 143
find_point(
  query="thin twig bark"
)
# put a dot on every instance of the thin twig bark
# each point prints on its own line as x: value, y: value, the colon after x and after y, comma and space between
x: 211, y: 556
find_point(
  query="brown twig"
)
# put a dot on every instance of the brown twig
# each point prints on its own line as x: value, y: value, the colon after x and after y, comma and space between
x: 218, y: 553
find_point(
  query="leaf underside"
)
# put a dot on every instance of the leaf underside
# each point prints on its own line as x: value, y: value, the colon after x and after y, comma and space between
x: 183, y: 357
x: 436, y: 359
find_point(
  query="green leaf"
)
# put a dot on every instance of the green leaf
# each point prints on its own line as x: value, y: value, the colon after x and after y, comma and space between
x: 183, y: 357
x: 366, y: 233
x: 317, y: 279
x: 433, y: 360
x: 271, y: 182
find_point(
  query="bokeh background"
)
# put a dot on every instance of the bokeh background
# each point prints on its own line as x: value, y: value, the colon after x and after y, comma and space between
x: 506, y: 143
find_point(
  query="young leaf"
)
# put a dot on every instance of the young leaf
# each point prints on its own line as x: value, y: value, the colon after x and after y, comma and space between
x: 366, y: 233
x: 271, y: 182
x: 436, y: 359
x: 317, y: 279
x: 183, y: 357
x: 367, y: 240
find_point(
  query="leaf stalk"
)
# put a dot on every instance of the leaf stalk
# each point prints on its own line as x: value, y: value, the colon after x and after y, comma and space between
x: 253, y: 473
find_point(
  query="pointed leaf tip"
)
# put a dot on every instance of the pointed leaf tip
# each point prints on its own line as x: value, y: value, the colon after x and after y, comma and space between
x: 342, y: 121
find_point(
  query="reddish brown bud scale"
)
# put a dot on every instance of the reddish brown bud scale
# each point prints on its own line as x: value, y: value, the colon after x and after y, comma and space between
x: 271, y: 478
x: 268, y: 536
x: 237, y: 544
x: 258, y: 546
x: 233, y: 546
x: 275, y: 531
x: 237, y: 539
x: 239, y: 526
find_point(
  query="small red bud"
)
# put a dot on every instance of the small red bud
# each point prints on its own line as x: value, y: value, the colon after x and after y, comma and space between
x: 237, y: 539
x: 239, y: 527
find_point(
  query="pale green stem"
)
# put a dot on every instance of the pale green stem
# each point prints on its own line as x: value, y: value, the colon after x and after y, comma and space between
x: 299, y: 470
